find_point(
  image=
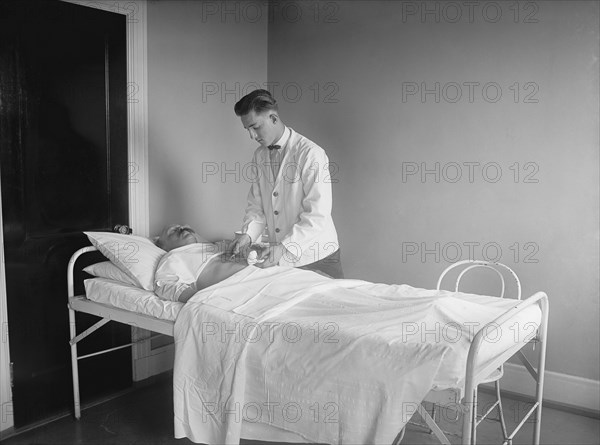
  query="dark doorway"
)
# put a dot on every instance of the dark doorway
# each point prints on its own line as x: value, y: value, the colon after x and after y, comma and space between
x: 63, y: 142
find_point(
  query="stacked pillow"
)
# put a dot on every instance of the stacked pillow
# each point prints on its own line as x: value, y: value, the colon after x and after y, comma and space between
x: 108, y: 270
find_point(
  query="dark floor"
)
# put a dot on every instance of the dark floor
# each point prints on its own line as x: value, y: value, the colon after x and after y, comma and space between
x: 145, y: 416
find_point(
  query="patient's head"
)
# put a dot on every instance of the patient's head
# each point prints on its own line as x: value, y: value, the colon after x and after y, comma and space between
x: 175, y: 236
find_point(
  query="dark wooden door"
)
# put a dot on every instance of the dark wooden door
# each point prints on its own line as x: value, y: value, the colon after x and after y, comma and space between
x: 63, y: 141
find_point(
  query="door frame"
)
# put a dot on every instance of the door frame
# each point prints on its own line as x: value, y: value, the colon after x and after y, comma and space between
x: 145, y: 360
x: 137, y: 143
x: 137, y: 104
x: 6, y: 406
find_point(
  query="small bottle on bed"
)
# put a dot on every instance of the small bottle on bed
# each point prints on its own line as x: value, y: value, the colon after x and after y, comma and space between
x: 122, y: 229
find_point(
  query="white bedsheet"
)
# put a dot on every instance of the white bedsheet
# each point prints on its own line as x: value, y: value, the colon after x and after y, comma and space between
x: 336, y: 361
x: 130, y: 298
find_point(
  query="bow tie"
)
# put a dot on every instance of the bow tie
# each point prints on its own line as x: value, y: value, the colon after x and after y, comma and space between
x: 274, y: 147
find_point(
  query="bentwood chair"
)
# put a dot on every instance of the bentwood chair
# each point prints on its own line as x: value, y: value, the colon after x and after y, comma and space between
x: 503, y: 272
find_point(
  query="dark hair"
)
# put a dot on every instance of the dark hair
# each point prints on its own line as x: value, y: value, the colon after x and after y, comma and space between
x: 257, y: 101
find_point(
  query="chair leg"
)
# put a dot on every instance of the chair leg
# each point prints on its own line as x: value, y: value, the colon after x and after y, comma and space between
x: 433, y: 410
x: 399, y: 437
x: 500, y: 410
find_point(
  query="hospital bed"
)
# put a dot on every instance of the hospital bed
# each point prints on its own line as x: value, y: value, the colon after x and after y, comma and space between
x: 160, y: 319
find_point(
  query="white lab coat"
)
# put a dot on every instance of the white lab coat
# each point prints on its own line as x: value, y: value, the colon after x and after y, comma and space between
x: 296, y: 206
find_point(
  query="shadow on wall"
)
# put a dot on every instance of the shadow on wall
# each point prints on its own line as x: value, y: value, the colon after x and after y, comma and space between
x: 170, y: 189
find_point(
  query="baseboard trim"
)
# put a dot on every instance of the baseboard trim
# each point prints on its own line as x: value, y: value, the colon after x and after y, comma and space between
x: 563, y: 390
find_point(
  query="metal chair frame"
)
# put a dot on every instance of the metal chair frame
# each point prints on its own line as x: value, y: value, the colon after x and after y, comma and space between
x: 497, y: 374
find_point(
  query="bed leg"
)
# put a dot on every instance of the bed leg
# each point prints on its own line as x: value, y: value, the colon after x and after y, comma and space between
x: 469, y: 409
x: 74, y: 365
x: 539, y: 390
x: 474, y: 434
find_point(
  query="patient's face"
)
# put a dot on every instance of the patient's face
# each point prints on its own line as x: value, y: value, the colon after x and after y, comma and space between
x: 176, y: 236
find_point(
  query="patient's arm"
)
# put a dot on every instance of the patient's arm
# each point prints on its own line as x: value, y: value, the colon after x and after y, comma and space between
x: 218, y: 269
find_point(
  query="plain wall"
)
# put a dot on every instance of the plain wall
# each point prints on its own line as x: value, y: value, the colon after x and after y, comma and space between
x: 534, y: 111
x: 343, y: 73
x: 201, y: 57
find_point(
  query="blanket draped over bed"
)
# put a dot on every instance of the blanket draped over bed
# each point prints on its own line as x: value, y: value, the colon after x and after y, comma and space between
x: 335, y: 361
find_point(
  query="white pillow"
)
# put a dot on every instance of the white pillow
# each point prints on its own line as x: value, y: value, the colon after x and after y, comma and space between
x: 106, y: 269
x: 135, y: 255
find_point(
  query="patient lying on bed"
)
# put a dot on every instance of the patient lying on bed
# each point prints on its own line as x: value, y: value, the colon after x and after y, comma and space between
x: 191, y: 264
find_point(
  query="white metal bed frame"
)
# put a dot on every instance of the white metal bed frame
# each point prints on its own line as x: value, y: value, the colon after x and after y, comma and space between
x: 496, y: 374
x: 474, y: 374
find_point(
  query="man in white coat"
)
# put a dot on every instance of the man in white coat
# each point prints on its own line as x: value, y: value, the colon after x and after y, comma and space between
x: 290, y: 193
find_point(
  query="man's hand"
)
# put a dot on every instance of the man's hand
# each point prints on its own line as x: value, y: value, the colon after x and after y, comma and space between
x: 271, y: 256
x: 240, y: 245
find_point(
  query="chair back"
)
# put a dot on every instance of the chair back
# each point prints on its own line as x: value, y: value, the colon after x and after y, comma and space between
x: 501, y: 270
